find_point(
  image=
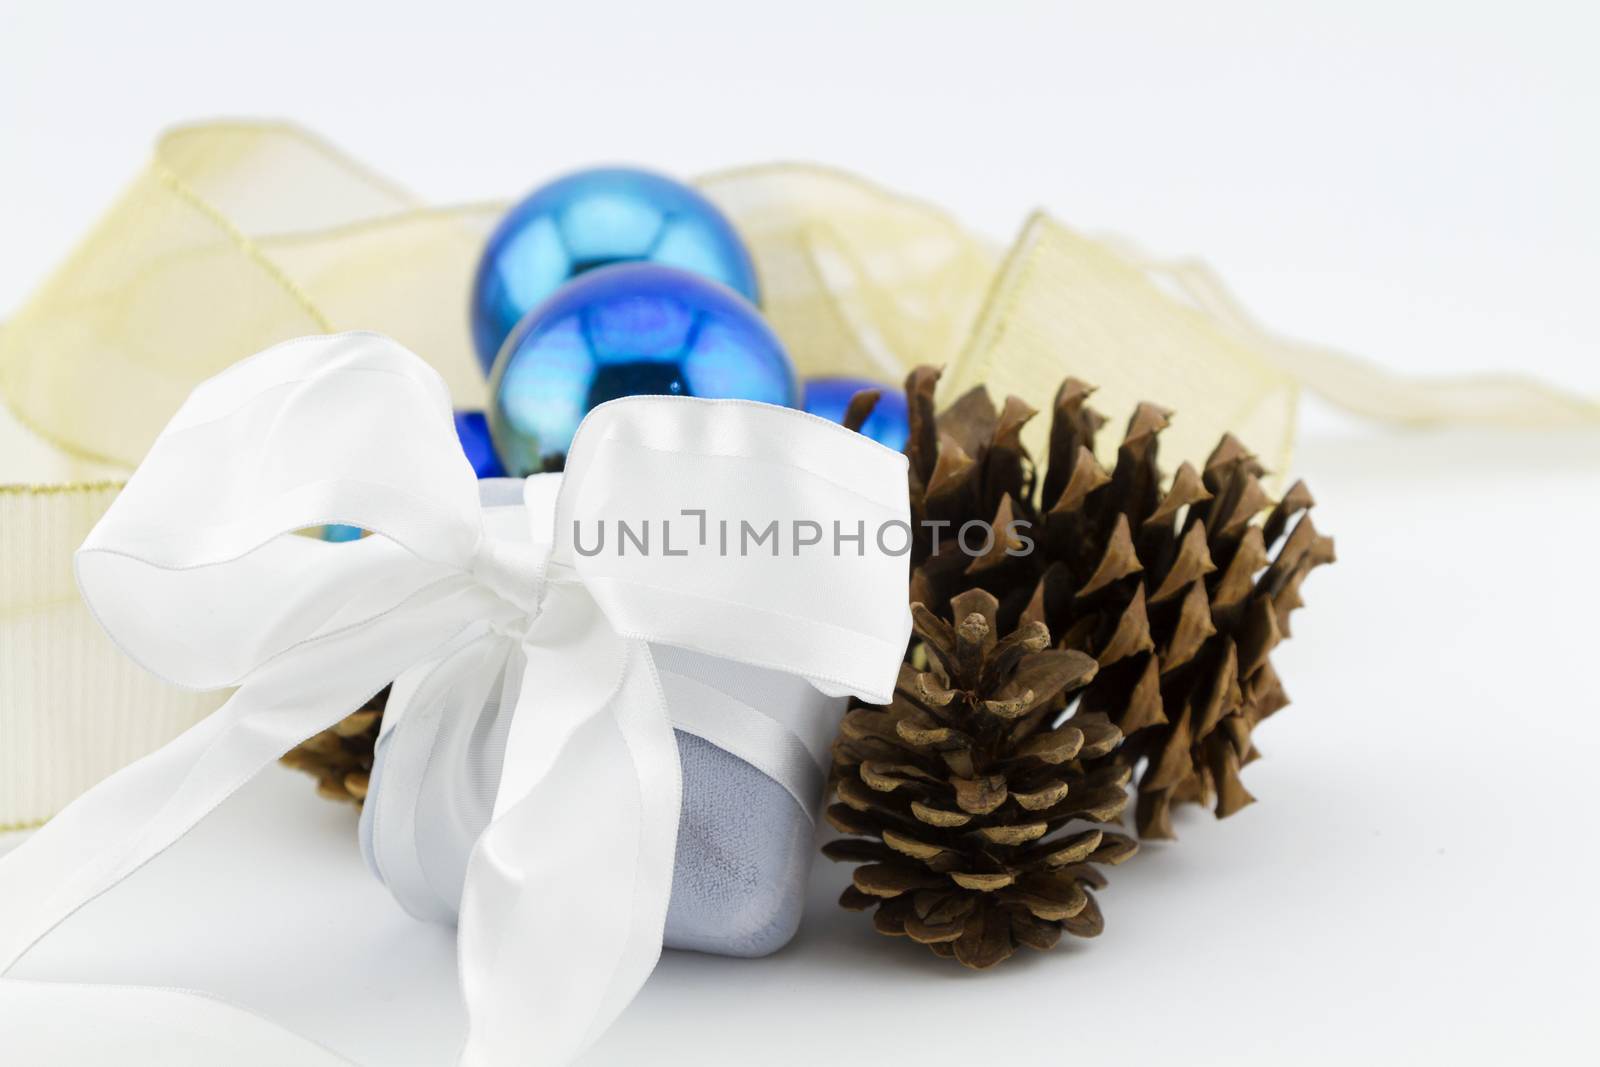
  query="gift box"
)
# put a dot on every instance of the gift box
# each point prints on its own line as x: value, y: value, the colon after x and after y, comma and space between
x: 745, y: 825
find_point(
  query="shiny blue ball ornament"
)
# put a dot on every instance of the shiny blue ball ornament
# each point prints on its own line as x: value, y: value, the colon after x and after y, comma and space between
x: 472, y: 428
x: 596, y: 218
x: 889, y: 424
x: 623, y: 331
x: 340, y: 532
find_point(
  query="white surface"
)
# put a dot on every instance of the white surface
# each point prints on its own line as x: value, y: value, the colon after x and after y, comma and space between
x: 1412, y: 181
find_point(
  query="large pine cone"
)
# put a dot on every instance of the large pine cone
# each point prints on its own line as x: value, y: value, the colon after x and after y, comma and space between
x: 976, y: 811
x: 1173, y: 591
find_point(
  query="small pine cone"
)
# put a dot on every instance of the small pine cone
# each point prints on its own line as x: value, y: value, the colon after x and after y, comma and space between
x: 1173, y: 588
x: 340, y: 758
x: 976, y: 811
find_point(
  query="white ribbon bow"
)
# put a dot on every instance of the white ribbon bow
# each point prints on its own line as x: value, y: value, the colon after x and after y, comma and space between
x: 196, y: 574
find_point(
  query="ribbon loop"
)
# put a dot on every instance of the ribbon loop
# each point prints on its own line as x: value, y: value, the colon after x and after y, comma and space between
x: 192, y: 571
x: 765, y: 536
x: 482, y: 613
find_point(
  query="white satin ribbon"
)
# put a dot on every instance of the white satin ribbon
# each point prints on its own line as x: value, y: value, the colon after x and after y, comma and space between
x: 435, y: 774
x: 196, y: 574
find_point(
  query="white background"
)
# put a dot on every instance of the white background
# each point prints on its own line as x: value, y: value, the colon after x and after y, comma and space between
x: 1416, y: 182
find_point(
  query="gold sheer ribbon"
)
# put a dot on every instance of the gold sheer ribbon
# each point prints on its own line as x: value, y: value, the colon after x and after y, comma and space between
x: 237, y: 236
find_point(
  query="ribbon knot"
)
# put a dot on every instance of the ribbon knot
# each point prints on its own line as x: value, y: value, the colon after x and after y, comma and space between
x: 195, y: 571
x: 514, y: 571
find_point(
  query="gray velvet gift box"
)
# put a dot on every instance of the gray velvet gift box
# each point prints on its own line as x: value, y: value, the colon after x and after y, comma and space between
x: 745, y: 833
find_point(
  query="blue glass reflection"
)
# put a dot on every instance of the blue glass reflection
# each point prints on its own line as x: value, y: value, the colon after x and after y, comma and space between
x: 472, y: 428
x: 596, y: 218
x: 623, y: 331
x: 888, y: 424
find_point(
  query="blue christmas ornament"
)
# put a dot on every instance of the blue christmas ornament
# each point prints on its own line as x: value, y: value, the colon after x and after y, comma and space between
x: 596, y: 218
x: 472, y: 427
x: 888, y: 424
x: 622, y: 331
x: 341, y: 532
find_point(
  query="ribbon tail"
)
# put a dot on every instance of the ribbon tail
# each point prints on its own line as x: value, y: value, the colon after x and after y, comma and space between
x: 425, y: 703
x: 567, y: 890
x: 136, y: 814
x: 139, y: 812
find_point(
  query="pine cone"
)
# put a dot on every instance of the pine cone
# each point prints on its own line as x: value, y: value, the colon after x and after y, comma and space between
x: 975, y: 809
x: 1173, y: 591
x: 341, y: 758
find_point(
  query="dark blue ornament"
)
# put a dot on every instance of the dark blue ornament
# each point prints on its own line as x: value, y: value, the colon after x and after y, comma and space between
x: 622, y: 331
x: 888, y: 424
x: 597, y: 218
x: 472, y: 427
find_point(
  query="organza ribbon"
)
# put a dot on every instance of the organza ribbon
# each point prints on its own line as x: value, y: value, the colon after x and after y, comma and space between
x: 197, y: 574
